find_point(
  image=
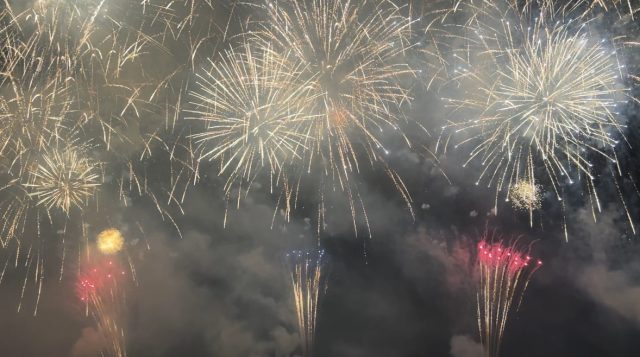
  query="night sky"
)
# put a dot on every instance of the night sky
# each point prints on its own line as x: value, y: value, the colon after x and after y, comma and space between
x: 405, y: 291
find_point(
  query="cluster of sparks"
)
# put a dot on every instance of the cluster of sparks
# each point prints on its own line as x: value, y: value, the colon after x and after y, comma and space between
x: 250, y: 103
x: 101, y: 287
x: 308, y: 276
x: 63, y: 180
x: 309, y: 96
x: 504, y: 273
x: 80, y: 114
x: 525, y: 196
x: 540, y: 94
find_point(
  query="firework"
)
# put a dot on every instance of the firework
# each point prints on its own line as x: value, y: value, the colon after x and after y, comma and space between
x: 308, y: 276
x: 32, y: 117
x: 63, y: 179
x: 352, y: 52
x: 347, y: 61
x: 504, y: 273
x: 250, y: 103
x: 101, y: 287
x: 49, y: 37
x: 539, y: 96
x: 31, y: 113
x: 46, y: 170
x: 525, y: 195
x: 110, y: 241
x: 587, y: 8
x: 80, y: 115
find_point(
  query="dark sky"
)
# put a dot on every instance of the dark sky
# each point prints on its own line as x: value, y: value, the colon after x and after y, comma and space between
x: 404, y: 292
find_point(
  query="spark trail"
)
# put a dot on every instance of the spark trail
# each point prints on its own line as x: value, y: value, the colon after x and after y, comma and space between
x: 308, y: 277
x: 101, y: 287
x: 504, y: 273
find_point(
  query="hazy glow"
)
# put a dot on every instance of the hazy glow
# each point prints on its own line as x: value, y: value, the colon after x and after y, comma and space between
x: 110, y: 241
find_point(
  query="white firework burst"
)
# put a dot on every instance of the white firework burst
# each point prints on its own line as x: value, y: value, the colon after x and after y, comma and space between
x: 540, y: 97
x: 63, y: 179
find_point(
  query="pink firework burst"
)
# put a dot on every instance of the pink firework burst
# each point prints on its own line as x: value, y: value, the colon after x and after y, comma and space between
x: 101, y: 286
x: 504, y: 274
x: 497, y: 255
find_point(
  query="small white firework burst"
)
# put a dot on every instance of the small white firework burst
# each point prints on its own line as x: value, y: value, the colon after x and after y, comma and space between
x: 525, y: 195
x: 63, y: 179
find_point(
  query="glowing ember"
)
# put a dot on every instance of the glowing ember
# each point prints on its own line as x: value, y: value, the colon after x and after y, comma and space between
x: 110, y: 241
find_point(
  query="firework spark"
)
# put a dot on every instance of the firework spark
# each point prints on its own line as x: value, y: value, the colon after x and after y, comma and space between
x: 346, y: 60
x: 78, y: 105
x: 586, y: 8
x: 101, y: 287
x: 110, y: 241
x: 250, y: 103
x: 64, y: 179
x: 308, y: 276
x: 525, y: 195
x: 504, y: 273
x: 543, y: 98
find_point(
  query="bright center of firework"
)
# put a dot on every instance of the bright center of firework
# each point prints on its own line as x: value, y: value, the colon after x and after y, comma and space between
x: 338, y: 90
x: 525, y: 195
x: 110, y: 241
x: 257, y: 126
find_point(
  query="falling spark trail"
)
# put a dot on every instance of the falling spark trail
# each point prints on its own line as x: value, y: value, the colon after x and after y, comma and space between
x: 308, y: 277
x: 101, y: 287
x: 504, y: 273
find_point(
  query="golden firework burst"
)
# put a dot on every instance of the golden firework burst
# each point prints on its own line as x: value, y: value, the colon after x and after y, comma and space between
x: 63, y: 179
x: 110, y: 241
